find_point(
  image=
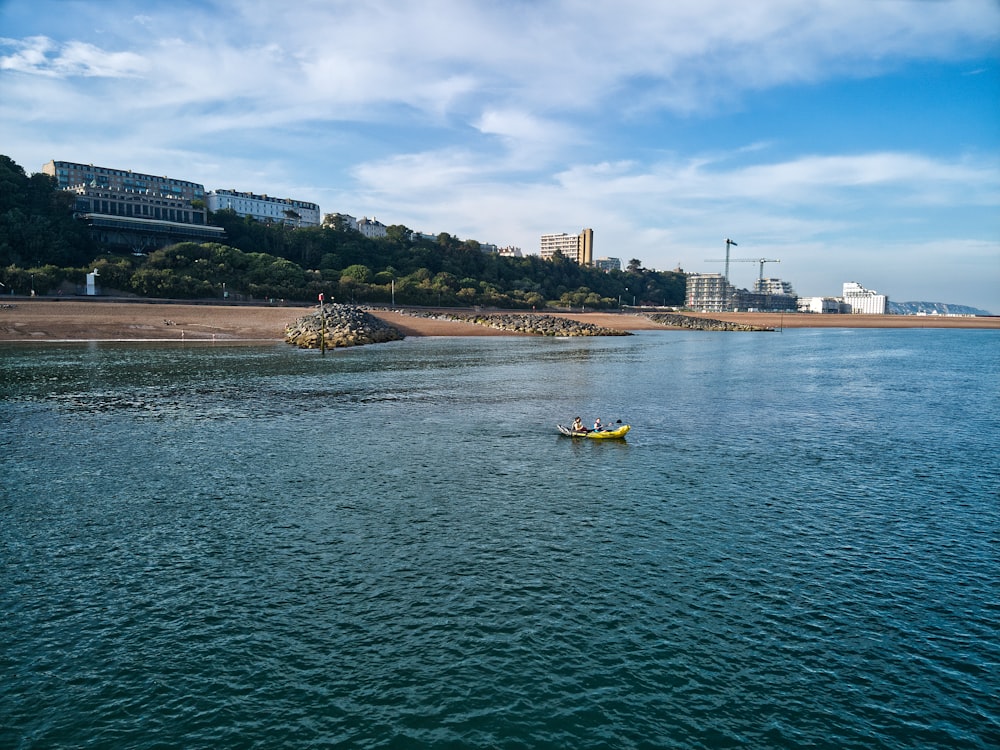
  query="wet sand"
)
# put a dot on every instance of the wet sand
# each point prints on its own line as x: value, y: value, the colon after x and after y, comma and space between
x: 75, y: 319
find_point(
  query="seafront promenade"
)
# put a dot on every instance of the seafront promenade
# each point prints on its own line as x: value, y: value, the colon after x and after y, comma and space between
x: 74, y: 319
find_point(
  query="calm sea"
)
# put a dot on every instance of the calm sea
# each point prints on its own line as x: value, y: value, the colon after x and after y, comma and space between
x: 214, y: 546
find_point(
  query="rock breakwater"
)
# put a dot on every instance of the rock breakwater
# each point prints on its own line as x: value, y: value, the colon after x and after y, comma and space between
x: 693, y: 323
x: 526, y: 324
x: 343, y: 325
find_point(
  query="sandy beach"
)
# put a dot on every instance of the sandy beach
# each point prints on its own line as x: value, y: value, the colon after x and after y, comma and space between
x: 49, y: 319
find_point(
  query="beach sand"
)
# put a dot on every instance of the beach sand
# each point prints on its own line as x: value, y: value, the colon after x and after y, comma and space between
x: 74, y: 319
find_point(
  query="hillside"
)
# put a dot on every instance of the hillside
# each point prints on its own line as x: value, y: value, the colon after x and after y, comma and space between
x: 45, y: 250
x: 933, y: 308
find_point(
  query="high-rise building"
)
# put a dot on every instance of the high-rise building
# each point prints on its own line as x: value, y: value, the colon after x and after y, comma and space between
x: 578, y: 247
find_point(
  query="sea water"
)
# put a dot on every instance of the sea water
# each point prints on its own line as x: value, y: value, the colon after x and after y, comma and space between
x: 798, y: 545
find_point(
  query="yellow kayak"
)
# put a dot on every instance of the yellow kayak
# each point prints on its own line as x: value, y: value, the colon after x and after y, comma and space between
x: 618, y: 432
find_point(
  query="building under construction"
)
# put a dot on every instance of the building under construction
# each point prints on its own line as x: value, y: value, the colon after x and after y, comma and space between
x: 712, y: 292
x: 708, y: 292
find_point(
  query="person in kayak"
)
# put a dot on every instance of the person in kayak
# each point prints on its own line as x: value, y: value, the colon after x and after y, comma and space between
x: 597, y: 425
x: 578, y: 425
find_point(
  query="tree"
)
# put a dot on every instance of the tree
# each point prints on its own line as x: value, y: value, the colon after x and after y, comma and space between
x: 37, y: 226
x: 336, y: 222
x: 358, y: 273
x: 398, y: 234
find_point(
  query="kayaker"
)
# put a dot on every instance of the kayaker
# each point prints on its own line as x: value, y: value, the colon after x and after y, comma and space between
x: 578, y: 425
x: 597, y: 425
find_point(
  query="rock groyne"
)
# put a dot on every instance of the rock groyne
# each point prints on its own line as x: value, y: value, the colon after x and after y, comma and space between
x: 526, y: 323
x: 343, y: 325
x: 693, y: 323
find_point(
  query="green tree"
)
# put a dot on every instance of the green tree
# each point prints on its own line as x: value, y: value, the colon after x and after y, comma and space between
x: 37, y: 226
x: 398, y: 234
x: 358, y: 273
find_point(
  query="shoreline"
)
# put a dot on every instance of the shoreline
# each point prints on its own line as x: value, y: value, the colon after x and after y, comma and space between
x: 66, y: 320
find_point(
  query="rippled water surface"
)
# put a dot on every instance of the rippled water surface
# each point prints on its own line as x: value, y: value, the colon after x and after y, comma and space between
x: 232, y: 546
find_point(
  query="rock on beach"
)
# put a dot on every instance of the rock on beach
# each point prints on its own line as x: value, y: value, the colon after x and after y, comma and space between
x: 343, y: 326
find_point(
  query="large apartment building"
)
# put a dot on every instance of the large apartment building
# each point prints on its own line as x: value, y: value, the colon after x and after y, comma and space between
x: 575, y: 247
x: 265, y: 208
x: 864, y: 301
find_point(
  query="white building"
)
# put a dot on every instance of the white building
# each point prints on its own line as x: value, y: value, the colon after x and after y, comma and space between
x: 265, y: 208
x: 861, y: 301
x: 371, y: 227
x: 510, y: 251
x: 819, y: 305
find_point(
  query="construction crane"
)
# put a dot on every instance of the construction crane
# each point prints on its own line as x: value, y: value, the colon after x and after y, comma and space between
x: 762, y: 261
x: 726, y: 261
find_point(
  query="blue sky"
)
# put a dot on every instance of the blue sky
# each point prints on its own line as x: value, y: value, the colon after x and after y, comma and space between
x: 854, y: 140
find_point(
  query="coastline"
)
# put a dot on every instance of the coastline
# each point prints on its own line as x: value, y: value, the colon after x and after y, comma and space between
x: 73, y: 319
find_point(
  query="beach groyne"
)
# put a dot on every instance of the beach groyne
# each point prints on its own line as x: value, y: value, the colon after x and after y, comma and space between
x: 528, y: 324
x: 339, y: 326
x: 674, y: 320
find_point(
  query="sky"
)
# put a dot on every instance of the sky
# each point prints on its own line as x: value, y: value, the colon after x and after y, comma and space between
x: 850, y: 140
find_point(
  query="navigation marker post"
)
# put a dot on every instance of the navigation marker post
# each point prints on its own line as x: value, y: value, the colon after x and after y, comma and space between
x: 322, y: 326
x: 726, y: 288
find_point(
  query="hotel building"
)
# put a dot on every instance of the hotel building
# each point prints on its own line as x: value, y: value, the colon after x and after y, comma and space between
x: 135, y: 211
x: 70, y: 174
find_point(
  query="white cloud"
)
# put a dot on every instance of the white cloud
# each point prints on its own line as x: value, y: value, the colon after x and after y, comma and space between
x: 572, y: 56
x: 42, y: 56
